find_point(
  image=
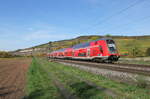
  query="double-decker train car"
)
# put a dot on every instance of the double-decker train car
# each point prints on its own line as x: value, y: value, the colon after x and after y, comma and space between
x: 101, y: 50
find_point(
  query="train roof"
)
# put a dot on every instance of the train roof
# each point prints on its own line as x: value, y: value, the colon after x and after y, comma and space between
x: 61, y: 50
x: 83, y: 45
x: 102, y: 39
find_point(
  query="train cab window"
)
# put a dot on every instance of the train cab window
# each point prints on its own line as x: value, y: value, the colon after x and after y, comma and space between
x: 111, y: 46
x: 110, y: 42
x: 112, y: 49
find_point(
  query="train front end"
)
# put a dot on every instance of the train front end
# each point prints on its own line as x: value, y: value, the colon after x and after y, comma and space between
x: 113, y: 54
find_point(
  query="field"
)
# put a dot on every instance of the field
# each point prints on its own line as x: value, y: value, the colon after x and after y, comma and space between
x: 54, y: 80
x: 12, y: 77
x: 50, y: 80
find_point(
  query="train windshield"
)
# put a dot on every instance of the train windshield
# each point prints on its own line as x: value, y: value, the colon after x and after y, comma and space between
x: 111, y: 46
x: 110, y: 42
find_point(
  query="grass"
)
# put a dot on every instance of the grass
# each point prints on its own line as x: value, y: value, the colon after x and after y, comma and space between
x: 75, y: 85
x: 40, y: 84
x: 129, y: 91
x: 142, y: 62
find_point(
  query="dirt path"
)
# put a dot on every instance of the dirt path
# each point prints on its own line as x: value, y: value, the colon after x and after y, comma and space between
x: 12, y: 77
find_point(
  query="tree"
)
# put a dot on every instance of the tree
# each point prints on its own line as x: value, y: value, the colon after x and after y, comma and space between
x: 4, y: 54
x: 94, y: 38
x: 108, y: 35
x: 49, y: 49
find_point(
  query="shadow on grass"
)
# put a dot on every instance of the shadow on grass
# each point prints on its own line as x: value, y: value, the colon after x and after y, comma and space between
x: 40, y: 94
x: 35, y: 95
x: 84, y: 91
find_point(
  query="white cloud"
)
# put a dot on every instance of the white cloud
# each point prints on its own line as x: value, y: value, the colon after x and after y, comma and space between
x: 48, y: 35
x: 32, y: 35
x: 39, y: 32
x: 37, y: 35
x: 43, y: 32
x: 45, y: 35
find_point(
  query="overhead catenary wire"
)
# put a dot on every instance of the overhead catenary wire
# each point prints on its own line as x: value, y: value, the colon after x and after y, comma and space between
x: 132, y: 22
x: 116, y: 14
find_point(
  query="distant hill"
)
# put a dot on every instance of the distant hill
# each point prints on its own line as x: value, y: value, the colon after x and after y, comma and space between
x: 126, y: 44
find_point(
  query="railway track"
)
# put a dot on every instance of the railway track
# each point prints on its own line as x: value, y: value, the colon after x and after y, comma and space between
x: 129, y: 68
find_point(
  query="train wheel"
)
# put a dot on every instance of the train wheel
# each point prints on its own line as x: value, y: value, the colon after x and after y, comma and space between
x: 108, y: 61
x: 98, y: 60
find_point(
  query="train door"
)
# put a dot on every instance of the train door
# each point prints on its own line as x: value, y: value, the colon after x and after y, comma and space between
x: 88, y: 52
x: 101, y: 50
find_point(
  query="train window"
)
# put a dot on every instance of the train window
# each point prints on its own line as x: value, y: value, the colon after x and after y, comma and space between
x: 72, y: 53
x: 110, y: 42
x: 66, y: 53
x: 101, y: 49
x: 111, y: 46
x: 112, y: 49
x: 88, y: 52
x: 82, y: 45
x: 82, y: 54
x: 96, y: 43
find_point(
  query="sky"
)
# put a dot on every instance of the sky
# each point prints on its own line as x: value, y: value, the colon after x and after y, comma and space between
x: 26, y: 23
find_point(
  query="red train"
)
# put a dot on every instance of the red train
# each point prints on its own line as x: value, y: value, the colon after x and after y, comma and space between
x: 101, y: 50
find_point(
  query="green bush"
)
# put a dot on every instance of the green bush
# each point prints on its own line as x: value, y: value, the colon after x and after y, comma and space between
x: 4, y: 54
x: 148, y: 52
x: 134, y: 49
x: 136, y: 52
x: 108, y: 35
x: 141, y: 82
